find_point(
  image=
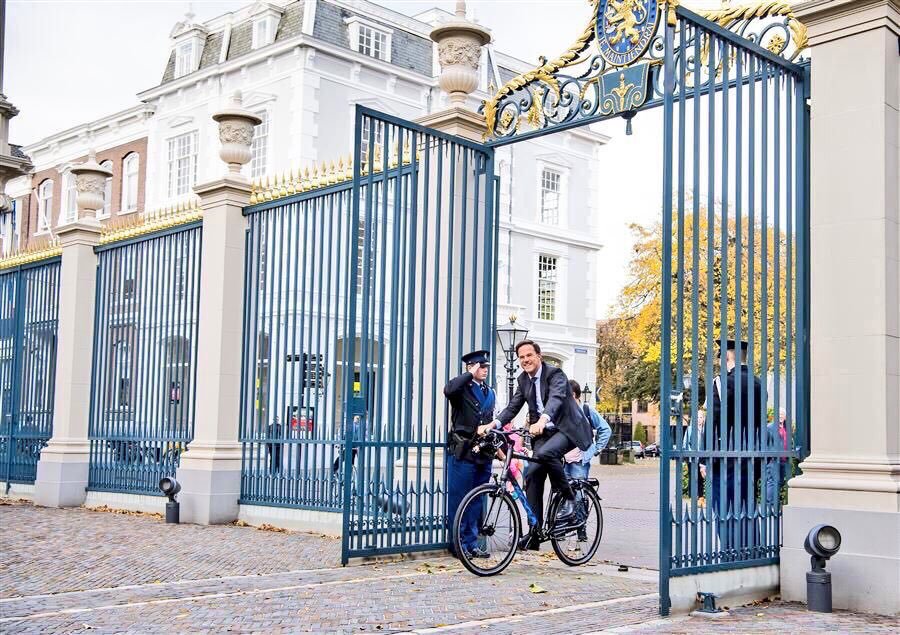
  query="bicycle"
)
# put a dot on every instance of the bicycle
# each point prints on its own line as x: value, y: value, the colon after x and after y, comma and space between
x: 501, y: 522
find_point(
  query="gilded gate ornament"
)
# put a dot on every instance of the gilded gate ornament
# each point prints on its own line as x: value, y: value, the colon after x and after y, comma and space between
x: 574, y: 86
x: 625, y: 29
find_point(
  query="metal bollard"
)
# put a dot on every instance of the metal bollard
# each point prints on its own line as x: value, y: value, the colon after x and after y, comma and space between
x: 818, y: 590
x: 172, y: 512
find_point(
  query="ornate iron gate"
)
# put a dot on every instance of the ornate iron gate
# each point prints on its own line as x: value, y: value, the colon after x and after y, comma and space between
x: 735, y: 262
x: 735, y: 266
x: 421, y: 293
x: 29, y: 305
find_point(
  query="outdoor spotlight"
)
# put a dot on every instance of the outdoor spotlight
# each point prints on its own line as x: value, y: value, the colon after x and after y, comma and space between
x: 822, y: 542
x: 170, y: 487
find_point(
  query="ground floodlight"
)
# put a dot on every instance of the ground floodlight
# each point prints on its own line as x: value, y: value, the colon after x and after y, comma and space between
x: 822, y: 542
x: 170, y: 487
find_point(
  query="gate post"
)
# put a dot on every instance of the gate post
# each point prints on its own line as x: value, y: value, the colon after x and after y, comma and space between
x: 62, y: 471
x: 851, y: 479
x: 210, y: 470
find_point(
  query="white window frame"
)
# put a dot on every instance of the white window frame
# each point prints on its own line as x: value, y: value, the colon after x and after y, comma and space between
x: 131, y: 170
x: 107, y: 191
x: 269, y: 26
x: 185, y: 54
x: 563, y: 169
x: 546, y: 212
x: 45, y: 200
x: 543, y: 282
x: 358, y: 26
x: 259, y: 156
x: 365, y: 133
x: 68, y: 211
x: 190, y: 165
x: 127, y: 271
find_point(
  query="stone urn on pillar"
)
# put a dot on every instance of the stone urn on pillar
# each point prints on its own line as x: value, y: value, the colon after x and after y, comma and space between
x: 90, y: 183
x: 235, y: 134
x: 459, y: 53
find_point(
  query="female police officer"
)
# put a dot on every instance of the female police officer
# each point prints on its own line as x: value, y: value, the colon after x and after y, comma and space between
x: 472, y: 405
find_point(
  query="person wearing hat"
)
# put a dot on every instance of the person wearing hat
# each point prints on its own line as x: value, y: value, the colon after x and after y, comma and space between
x: 744, y: 412
x: 472, y: 405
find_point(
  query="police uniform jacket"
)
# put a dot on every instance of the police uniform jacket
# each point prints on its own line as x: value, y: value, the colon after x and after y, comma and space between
x: 468, y: 411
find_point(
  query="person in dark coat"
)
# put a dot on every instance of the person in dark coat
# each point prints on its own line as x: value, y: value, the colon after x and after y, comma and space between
x: 472, y: 405
x: 558, y: 425
x: 737, y: 425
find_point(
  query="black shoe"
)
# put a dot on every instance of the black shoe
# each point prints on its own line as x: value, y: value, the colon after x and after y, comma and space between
x: 477, y: 552
x: 529, y: 543
x: 582, y: 535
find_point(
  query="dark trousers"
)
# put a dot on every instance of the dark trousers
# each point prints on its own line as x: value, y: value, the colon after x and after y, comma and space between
x: 337, y: 461
x: 731, y: 510
x: 550, y: 450
x: 462, y: 477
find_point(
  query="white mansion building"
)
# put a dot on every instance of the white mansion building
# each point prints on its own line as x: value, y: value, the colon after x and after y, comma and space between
x: 302, y: 66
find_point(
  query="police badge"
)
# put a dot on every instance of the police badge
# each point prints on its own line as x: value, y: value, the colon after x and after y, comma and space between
x: 624, y: 29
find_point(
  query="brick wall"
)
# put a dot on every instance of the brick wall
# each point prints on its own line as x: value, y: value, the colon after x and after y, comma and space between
x: 29, y: 223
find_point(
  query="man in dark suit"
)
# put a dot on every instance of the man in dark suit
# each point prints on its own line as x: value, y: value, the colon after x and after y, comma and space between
x: 472, y: 404
x: 558, y: 426
x: 744, y: 413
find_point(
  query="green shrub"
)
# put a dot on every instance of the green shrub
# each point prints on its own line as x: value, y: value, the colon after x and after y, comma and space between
x: 640, y: 433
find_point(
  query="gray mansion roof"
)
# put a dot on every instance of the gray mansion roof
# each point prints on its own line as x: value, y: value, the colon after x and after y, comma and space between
x: 409, y: 51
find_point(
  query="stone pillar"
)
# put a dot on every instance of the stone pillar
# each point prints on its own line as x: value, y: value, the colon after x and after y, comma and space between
x: 62, y: 472
x: 851, y: 479
x: 210, y: 469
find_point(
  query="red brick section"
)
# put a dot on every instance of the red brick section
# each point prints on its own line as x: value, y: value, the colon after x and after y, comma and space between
x: 115, y: 154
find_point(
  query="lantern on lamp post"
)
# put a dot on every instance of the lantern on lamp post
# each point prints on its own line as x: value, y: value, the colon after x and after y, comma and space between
x: 509, y: 335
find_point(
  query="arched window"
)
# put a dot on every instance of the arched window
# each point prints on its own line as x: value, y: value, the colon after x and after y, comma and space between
x: 107, y: 191
x: 130, y: 168
x: 69, y: 210
x: 553, y: 361
x: 45, y: 205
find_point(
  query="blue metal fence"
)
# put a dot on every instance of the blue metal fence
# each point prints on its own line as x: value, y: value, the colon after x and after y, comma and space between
x: 298, y: 258
x: 144, y: 371
x: 735, y: 266
x: 29, y: 303
x: 360, y: 296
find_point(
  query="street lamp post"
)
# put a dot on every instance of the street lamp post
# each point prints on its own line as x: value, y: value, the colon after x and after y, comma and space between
x: 585, y: 393
x: 509, y: 335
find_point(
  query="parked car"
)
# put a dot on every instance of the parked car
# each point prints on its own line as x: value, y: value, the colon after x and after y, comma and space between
x: 651, y: 450
x: 636, y: 447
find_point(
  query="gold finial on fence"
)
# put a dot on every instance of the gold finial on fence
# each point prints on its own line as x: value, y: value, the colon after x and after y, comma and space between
x: 333, y: 173
x: 253, y: 188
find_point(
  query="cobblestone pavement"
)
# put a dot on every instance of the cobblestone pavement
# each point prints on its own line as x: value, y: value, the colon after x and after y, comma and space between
x: 775, y: 617
x: 73, y: 571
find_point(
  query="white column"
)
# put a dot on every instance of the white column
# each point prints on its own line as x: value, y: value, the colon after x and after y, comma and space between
x: 62, y: 472
x: 852, y: 478
x: 210, y: 469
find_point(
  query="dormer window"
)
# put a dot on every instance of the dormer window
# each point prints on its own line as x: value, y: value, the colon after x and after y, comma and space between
x: 184, y: 59
x: 265, y: 23
x: 369, y: 38
x: 263, y: 32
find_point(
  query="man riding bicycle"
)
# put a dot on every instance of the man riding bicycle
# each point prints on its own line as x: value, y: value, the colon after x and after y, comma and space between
x: 559, y: 426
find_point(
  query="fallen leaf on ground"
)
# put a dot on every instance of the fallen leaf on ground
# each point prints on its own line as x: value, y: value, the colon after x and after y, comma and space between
x: 534, y: 588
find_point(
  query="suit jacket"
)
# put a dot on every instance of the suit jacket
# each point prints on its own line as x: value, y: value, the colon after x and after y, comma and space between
x: 751, y: 393
x: 558, y: 405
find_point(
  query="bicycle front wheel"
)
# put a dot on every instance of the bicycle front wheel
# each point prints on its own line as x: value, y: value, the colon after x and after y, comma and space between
x: 496, y: 517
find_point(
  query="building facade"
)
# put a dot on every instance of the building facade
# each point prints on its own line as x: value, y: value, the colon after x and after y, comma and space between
x: 302, y: 67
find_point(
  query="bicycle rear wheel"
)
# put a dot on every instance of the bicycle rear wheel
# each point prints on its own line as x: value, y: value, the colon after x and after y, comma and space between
x: 500, y: 528
x: 577, y: 546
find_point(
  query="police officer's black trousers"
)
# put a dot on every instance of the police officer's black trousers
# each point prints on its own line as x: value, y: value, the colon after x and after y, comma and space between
x: 551, y: 451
